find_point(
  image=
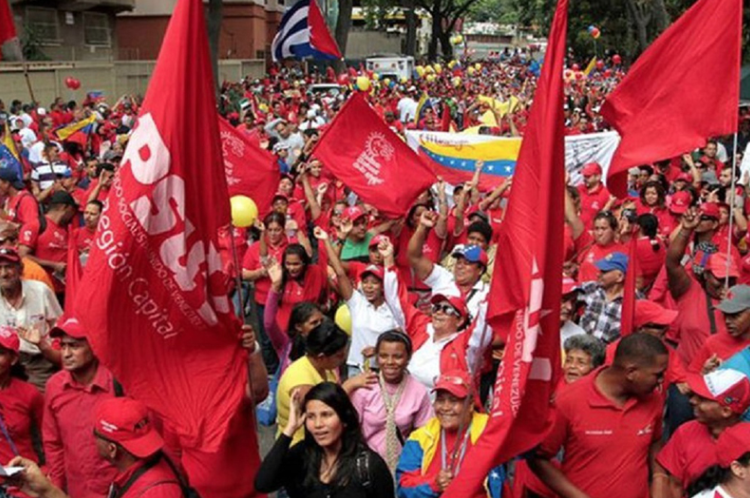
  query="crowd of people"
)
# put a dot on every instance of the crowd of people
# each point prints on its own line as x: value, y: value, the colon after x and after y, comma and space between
x: 370, y: 349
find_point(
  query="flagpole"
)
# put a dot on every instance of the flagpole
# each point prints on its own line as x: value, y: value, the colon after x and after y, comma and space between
x: 731, y: 210
x: 25, y: 66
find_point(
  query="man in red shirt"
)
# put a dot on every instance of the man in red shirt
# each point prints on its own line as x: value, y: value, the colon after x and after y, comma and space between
x: 124, y: 436
x: 719, y: 399
x: 594, y: 195
x: 22, y: 208
x: 70, y: 402
x: 723, y: 345
x: 52, y: 244
x: 609, y: 424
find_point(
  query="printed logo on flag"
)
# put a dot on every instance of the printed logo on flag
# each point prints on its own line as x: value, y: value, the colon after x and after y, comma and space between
x: 231, y: 146
x: 376, y: 146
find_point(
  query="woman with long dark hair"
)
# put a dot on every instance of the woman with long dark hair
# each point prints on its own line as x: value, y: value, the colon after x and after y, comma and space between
x: 332, y: 460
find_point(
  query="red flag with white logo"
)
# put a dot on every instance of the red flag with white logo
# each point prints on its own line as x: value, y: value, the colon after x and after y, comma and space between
x: 153, y: 297
x: 251, y: 170
x: 363, y: 152
x: 524, y: 300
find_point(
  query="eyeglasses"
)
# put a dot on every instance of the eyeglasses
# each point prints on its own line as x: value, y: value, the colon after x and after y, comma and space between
x: 707, y: 218
x: 445, y: 308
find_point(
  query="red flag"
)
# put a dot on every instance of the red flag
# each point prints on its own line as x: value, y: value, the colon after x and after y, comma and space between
x: 153, y: 297
x: 320, y: 37
x: 524, y: 301
x: 664, y: 107
x: 73, y: 274
x: 627, y: 316
x: 364, y: 153
x: 7, y: 26
x: 250, y: 170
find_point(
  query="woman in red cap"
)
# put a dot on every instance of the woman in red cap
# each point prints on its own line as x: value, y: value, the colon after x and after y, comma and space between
x: 21, y: 404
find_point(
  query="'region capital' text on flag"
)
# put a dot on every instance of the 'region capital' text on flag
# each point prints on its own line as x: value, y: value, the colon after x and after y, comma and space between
x: 153, y: 298
x: 359, y: 149
x: 663, y: 107
x: 524, y: 299
x: 250, y: 170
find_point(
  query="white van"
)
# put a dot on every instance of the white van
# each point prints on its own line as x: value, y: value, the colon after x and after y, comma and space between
x: 394, y: 67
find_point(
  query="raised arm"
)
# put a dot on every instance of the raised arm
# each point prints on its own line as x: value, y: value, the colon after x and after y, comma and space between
x: 345, y: 285
x: 677, y: 275
x: 571, y: 217
x: 422, y: 265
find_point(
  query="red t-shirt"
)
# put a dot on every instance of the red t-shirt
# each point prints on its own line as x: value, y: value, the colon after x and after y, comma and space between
x: 24, y: 210
x: 21, y: 407
x: 606, y: 446
x: 592, y: 203
x: 251, y: 261
x: 722, y: 345
x: 692, y: 325
x: 589, y: 253
x: 650, y: 261
x: 689, y: 452
x: 82, y: 238
x: 52, y: 245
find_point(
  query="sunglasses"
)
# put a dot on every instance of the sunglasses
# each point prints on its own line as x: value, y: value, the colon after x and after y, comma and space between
x: 707, y: 218
x: 445, y: 308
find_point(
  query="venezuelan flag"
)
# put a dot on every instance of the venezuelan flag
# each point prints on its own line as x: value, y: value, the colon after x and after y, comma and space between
x: 454, y: 156
x: 85, y: 125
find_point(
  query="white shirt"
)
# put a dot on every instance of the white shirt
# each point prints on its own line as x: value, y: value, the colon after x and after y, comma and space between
x: 407, y: 109
x: 368, y: 322
x: 39, y: 308
x: 717, y: 492
x: 441, y: 281
x: 425, y: 362
x: 28, y: 137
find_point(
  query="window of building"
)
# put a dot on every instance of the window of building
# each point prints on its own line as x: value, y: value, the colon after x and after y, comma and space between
x: 96, y: 29
x: 43, y: 24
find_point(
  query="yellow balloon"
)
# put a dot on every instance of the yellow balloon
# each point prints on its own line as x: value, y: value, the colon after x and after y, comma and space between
x: 438, y: 68
x: 244, y: 211
x: 363, y: 83
x: 404, y: 79
x: 386, y: 81
x: 429, y: 70
x: 430, y: 78
x: 456, y: 81
x: 459, y: 39
x: 471, y: 71
x: 478, y: 66
x: 375, y: 77
x: 344, y: 319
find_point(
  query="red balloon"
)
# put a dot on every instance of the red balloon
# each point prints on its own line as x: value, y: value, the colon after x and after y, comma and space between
x: 607, y: 73
x: 579, y: 76
x: 69, y: 82
x: 600, y: 65
x: 576, y: 67
x: 616, y: 59
x: 76, y: 84
x: 343, y: 79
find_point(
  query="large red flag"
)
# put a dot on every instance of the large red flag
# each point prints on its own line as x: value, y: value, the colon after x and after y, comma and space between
x: 364, y: 153
x: 683, y: 89
x: 250, y: 170
x: 153, y: 297
x: 524, y: 301
x: 7, y: 26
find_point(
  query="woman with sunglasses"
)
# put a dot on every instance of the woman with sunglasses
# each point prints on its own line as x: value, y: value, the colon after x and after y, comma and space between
x: 390, y: 413
x: 434, y: 454
x: 446, y: 340
x: 332, y: 460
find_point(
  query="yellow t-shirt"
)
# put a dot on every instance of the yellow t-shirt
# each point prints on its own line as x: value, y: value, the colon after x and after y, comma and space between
x: 299, y: 373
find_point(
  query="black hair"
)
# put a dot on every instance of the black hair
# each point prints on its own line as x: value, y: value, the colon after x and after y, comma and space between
x: 481, y: 227
x: 412, y: 209
x: 660, y: 192
x: 104, y: 166
x: 300, y: 314
x: 714, y: 475
x: 649, y: 225
x: 97, y: 203
x: 326, y: 339
x: 607, y: 215
x: 395, y: 335
x: 352, y: 442
x: 274, y: 217
x: 639, y: 348
x: 299, y: 251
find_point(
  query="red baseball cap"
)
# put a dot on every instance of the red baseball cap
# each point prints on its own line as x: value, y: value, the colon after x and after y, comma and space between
x: 125, y: 421
x: 9, y: 339
x: 680, y: 202
x: 684, y: 177
x: 374, y: 270
x: 69, y: 326
x: 733, y: 442
x: 10, y: 255
x: 649, y: 312
x: 354, y: 213
x: 710, y: 209
x: 568, y: 285
x: 456, y: 382
x: 457, y: 302
x: 717, y: 264
x: 726, y: 386
x: 375, y: 241
x: 280, y: 195
x: 591, y: 169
